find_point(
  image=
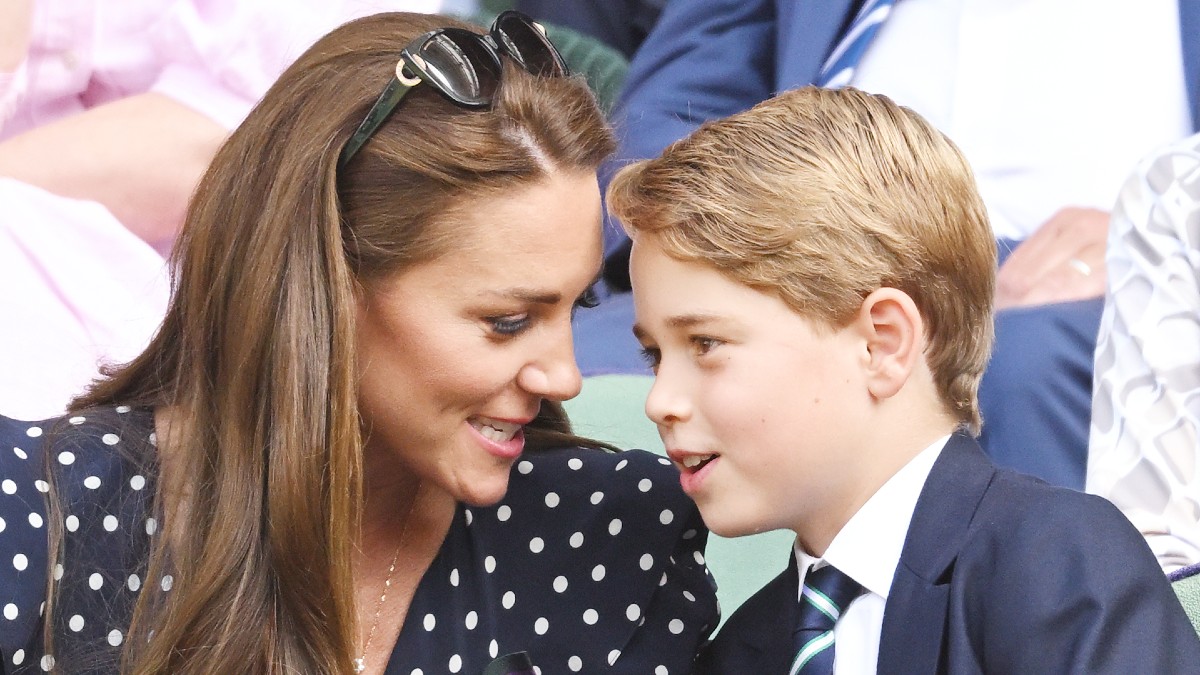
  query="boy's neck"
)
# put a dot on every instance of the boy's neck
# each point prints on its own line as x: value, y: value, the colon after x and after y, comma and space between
x: 889, y: 451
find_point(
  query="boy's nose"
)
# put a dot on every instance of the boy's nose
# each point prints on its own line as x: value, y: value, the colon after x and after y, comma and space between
x: 664, y: 404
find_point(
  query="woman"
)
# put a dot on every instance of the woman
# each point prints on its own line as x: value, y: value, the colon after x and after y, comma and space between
x: 310, y: 469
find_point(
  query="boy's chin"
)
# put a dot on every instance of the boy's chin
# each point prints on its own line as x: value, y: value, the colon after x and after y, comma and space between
x: 723, y: 523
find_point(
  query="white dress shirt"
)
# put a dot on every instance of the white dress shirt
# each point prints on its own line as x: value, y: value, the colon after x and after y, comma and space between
x: 1052, y: 101
x: 867, y: 549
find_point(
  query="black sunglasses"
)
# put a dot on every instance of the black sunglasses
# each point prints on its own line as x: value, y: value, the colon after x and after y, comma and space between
x: 463, y: 66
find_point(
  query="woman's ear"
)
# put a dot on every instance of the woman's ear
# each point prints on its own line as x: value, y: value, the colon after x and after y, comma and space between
x: 895, y: 334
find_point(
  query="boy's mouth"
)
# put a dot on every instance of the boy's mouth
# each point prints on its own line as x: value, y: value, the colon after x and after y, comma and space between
x: 691, y: 463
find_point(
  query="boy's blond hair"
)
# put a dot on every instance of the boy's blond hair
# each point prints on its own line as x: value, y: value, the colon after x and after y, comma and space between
x: 821, y: 197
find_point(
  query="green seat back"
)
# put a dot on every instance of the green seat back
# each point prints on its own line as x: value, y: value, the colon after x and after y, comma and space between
x: 1188, y: 590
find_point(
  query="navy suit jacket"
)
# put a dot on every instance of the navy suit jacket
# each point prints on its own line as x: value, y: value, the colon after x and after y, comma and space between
x: 711, y: 58
x: 1000, y: 573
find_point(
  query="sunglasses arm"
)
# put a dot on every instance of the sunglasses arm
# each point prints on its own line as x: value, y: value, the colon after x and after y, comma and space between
x: 384, y: 105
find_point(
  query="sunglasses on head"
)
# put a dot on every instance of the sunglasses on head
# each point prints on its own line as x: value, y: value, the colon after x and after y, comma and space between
x: 463, y: 66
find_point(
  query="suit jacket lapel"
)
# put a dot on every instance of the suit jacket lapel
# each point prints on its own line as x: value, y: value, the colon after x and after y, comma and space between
x: 807, y: 33
x: 914, y: 619
x: 765, y: 635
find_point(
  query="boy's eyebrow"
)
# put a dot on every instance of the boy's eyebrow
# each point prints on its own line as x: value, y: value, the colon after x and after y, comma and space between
x: 677, y: 322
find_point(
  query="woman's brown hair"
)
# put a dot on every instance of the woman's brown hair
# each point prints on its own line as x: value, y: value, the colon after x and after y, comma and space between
x: 256, y: 355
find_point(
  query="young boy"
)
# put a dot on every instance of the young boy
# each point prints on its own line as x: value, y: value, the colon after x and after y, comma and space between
x: 813, y: 284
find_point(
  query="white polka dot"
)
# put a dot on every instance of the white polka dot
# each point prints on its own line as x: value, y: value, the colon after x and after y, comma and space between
x: 110, y: 523
x: 91, y: 482
x: 493, y: 649
x: 122, y: 409
x: 167, y: 581
x: 430, y: 622
x: 666, y: 517
x: 536, y: 545
x: 699, y: 557
x: 454, y: 577
x: 110, y: 439
x: 18, y: 657
x: 66, y: 458
x: 153, y: 438
x: 598, y: 572
x: 661, y: 670
x: 504, y: 513
x: 663, y: 580
x: 96, y: 581
x: 489, y: 564
x: 75, y: 623
x: 690, y: 534
x: 575, y: 463
x: 676, y: 626
x: 645, y: 484
x: 575, y: 664
x: 20, y: 562
x: 613, y: 656
x: 455, y: 663
x: 20, y: 453
x: 622, y: 464
x: 8, y: 487
x: 472, y: 620
x: 35, y: 520
x: 541, y: 625
x: 560, y: 584
x: 137, y: 482
x: 42, y: 486
x: 2, y: 525
x: 590, y: 617
x: 614, y: 526
x: 632, y: 612
x: 151, y: 526
x: 551, y: 499
x: 689, y: 596
x: 576, y: 540
x: 646, y: 562
x: 47, y: 663
x: 664, y: 461
x: 77, y: 420
x: 33, y: 432
x: 115, y: 638
x: 134, y: 582
x: 597, y: 497
x: 58, y: 571
x: 10, y: 612
x: 509, y: 600
x: 524, y: 466
x: 469, y: 516
x: 72, y: 523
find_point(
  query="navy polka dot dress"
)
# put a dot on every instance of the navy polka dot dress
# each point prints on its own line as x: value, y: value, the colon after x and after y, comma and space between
x: 593, y: 563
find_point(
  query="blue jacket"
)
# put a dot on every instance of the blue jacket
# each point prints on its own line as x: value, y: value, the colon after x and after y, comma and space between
x: 712, y: 58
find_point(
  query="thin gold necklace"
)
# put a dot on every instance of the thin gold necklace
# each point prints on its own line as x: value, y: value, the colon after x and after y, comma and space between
x: 360, y: 663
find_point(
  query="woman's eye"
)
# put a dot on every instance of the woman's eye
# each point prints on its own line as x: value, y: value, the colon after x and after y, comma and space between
x: 509, y: 325
x: 586, y: 300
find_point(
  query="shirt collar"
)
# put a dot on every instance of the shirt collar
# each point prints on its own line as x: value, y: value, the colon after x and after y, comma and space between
x: 868, y: 547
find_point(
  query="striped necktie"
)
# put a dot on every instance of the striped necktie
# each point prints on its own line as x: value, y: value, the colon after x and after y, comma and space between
x: 827, y: 592
x: 839, y: 67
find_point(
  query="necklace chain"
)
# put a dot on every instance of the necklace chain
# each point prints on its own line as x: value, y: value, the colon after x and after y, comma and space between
x: 360, y: 663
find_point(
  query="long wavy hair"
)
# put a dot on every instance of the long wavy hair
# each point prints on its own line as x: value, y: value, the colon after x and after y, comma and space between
x: 256, y: 356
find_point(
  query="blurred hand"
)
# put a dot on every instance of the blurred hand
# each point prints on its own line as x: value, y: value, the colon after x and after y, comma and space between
x: 15, y: 23
x: 1062, y: 261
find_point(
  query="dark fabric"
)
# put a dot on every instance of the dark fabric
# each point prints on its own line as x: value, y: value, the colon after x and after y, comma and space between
x: 592, y: 561
x: 816, y: 619
x: 1000, y: 573
x: 621, y: 24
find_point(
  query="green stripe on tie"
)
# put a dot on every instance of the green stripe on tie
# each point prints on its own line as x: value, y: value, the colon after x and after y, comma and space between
x: 812, y: 648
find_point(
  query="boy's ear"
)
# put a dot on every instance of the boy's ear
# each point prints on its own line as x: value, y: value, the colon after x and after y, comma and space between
x: 895, y: 335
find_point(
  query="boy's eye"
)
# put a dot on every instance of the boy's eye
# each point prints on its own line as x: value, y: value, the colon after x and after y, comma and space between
x: 508, y: 325
x: 704, y: 344
x: 651, y: 356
